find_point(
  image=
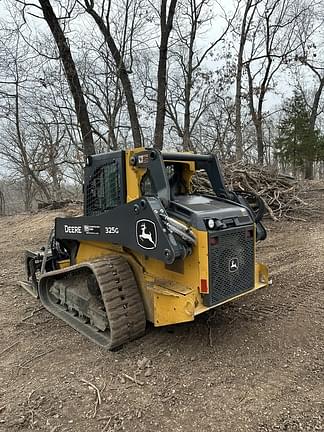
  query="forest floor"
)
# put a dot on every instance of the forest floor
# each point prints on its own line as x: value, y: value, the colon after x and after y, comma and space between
x: 253, y: 365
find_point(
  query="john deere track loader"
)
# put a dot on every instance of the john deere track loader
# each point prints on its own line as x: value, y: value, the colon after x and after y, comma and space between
x: 147, y: 247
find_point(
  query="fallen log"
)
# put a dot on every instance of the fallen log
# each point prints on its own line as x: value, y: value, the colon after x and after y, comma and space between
x: 55, y: 205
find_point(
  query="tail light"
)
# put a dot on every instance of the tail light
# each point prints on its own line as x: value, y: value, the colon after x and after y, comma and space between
x: 204, y: 286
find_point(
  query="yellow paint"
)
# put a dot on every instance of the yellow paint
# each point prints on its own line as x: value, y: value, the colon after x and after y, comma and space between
x: 170, y: 302
x: 174, y: 313
x: 202, y: 238
x: 63, y: 264
x: 90, y: 250
x: 174, y: 298
x: 195, y: 266
x: 133, y: 175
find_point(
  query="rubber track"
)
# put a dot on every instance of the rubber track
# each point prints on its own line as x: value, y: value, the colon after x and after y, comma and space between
x: 123, y: 303
x: 121, y: 297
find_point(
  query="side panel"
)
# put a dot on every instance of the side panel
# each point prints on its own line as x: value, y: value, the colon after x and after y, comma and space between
x: 172, y: 307
x: 135, y: 225
x: 174, y: 290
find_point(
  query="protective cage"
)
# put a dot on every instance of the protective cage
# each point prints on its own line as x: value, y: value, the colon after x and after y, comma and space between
x: 231, y: 264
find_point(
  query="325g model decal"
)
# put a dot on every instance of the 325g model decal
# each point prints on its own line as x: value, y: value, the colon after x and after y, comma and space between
x: 111, y: 230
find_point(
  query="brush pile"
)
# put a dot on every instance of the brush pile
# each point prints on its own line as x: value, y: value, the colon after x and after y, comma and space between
x: 279, y: 192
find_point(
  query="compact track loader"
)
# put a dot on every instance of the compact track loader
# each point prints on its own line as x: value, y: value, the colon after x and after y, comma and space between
x: 147, y: 247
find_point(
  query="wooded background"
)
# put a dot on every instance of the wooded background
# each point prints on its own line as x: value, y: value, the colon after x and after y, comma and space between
x: 241, y: 78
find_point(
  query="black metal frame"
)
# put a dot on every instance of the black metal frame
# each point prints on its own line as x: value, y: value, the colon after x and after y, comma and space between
x: 209, y: 163
x: 118, y: 226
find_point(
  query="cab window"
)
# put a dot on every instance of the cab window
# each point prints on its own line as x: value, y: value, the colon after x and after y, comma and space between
x: 103, y: 190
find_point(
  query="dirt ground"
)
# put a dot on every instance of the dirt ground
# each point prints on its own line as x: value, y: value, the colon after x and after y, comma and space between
x: 253, y: 365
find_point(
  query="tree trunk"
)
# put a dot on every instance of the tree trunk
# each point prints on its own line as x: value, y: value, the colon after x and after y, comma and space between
x: 166, y: 27
x: 186, y: 124
x: 309, y: 170
x: 112, y: 140
x: 238, y: 92
x: 27, y: 193
x: 187, y: 145
x: 309, y: 165
x: 317, y: 97
x: 2, y: 204
x: 56, y: 187
x: 238, y: 115
x: 71, y: 76
x: 321, y: 170
x: 121, y: 70
x: 186, y: 141
x: 259, y: 138
x: 256, y: 115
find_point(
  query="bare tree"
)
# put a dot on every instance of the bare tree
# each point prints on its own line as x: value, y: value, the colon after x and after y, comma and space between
x: 71, y: 75
x: 103, y: 22
x: 51, y: 134
x: 103, y: 88
x: 166, y: 22
x: 15, y: 146
x: 216, y: 130
x: 315, y: 64
x: 191, y: 85
x: 247, y: 20
x: 273, y: 40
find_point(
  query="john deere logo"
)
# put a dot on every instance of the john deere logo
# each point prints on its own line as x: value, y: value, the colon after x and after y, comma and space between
x: 146, y: 235
x: 233, y: 264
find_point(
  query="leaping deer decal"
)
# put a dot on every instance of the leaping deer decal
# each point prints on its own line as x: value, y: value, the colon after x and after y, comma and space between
x: 146, y: 235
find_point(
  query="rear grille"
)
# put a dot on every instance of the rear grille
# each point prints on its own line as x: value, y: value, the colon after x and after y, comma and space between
x: 231, y: 264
